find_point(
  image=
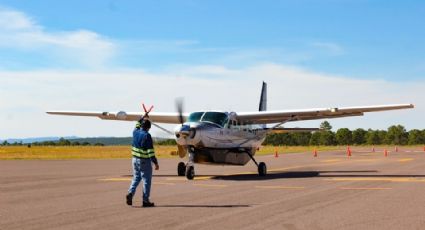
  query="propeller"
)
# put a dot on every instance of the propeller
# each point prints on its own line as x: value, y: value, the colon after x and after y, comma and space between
x: 179, y: 107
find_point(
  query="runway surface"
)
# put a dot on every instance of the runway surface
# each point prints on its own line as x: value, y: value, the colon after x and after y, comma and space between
x: 331, y: 191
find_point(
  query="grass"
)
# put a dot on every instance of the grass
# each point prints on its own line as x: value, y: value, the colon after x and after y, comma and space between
x: 75, y: 152
x: 123, y: 152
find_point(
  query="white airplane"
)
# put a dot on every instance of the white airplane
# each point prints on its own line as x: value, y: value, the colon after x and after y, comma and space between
x: 229, y: 137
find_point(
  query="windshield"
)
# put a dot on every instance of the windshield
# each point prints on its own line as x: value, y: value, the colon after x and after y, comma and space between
x: 215, y: 117
x: 195, y: 117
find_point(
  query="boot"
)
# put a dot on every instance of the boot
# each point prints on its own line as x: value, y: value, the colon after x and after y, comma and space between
x: 129, y: 199
x: 148, y: 204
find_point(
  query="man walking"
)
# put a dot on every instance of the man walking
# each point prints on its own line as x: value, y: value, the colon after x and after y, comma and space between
x: 143, y: 157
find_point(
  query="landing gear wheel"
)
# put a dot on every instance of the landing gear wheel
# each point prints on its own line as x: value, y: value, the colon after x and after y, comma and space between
x: 181, y: 169
x: 262, y: 169
x: 190, y: 172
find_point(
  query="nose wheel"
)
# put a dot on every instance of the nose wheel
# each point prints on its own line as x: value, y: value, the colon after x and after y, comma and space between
x: 181, y: 169
x: 190, y: 172
x: 262, y: 168
x: 187, y: 169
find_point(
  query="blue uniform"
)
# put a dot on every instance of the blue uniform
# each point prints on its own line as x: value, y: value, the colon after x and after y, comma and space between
x: 143, y: 156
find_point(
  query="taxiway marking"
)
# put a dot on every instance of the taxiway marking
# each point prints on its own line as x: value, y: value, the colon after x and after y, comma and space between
x: 405, y: 160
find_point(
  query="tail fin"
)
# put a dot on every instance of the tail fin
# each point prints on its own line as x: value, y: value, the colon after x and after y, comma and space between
x: 263, y: 98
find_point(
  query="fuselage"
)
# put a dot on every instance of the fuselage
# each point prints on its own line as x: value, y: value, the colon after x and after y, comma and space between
x: 218, y: 137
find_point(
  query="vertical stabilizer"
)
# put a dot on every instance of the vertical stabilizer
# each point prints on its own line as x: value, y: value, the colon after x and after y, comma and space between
x: 263, y: 98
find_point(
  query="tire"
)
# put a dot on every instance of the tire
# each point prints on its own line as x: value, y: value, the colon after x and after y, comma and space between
x: 181, y: 169
x: 262, y: 169
x: 190, y: 172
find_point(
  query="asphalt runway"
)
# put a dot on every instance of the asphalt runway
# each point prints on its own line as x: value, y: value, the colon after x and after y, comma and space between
x: 331, y: 191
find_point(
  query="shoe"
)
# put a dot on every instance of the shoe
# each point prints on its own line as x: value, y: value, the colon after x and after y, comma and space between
x: 148, y: 204
x: 129, y: 199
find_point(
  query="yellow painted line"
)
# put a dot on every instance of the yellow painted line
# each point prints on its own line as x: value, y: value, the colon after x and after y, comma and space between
x: 367, y: 160
x: 211, y: 185
x: 405, y: 160
x: 347, y: 188
x: 279, y: 187
x: 202, y: 177
x: 163, y: 183
x: 387, y: 179
x: 331, y: 160
x: 176, y: 178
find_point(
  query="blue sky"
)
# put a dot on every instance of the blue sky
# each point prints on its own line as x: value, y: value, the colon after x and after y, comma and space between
x: 379, y: 43
x: 364, y: 39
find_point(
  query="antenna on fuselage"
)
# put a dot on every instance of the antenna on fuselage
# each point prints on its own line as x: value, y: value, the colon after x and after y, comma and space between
x: 263, y: 98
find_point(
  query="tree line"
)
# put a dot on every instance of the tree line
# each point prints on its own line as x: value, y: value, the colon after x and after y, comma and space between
x: 60, y: 142
x: 394, y: 135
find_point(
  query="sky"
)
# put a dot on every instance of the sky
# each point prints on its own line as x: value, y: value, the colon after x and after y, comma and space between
x: 113, y: 55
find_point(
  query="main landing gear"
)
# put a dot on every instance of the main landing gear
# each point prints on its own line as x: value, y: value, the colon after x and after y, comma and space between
x: 187, y: 169
x: 262, y: 168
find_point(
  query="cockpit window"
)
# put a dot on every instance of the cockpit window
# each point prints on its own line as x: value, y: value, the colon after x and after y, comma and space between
x: 215, y: 117
x: 195, y: 117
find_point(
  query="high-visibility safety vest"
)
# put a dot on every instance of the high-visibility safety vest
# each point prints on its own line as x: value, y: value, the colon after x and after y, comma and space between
x: 140, y: 153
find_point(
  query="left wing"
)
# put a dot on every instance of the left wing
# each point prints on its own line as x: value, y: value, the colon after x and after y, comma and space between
x: 264, y: 117
x: 170, y: 118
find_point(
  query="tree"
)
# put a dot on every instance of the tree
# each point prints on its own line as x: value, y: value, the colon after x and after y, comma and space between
x: 62, y: 142
x: 359, y: 136
x: 301, y: 138
x: 372, y: 137
x: 327, y: 138
x: 397, y: 135
x: 325, y: 125
x: 5, y: 143
x: 415, y: 137
x: 315, y: 138
x: 343, y: 136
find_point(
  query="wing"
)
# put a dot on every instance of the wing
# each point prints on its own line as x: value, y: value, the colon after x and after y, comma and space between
x: 283, y: 116
x: 170, y: 118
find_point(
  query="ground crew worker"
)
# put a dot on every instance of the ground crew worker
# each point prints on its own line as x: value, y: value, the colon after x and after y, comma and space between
x: 143, y: 157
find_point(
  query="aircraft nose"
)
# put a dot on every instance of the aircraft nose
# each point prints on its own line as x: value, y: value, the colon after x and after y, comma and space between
x: 186, y: 131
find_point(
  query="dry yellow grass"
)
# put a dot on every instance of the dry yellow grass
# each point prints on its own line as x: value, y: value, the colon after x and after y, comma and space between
x: 117, y: 152
x: 74, y: 152
x: 264, y: 150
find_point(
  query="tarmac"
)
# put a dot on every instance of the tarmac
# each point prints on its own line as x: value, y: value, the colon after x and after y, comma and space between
x: 331, y: 191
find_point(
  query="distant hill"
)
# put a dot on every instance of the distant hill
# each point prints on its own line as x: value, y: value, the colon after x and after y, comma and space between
x: 90, y: 140
x: 36, y: 139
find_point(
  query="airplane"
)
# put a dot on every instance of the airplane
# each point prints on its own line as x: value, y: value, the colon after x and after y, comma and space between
x: 219, y: 137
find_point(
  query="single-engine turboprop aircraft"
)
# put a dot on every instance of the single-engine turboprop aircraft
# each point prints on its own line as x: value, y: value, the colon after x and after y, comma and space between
x: 219, y: 137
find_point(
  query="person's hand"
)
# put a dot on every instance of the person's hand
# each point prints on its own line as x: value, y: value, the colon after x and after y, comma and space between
x: 157, y: 167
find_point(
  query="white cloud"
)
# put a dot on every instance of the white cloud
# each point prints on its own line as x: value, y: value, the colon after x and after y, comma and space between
x: 25, y: 96
x: 330, y: 47
x: 19, y: 31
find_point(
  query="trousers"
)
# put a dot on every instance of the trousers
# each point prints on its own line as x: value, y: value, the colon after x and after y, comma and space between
x: 142, y: 171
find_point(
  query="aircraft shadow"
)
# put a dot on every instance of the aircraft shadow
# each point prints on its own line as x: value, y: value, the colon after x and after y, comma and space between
x: 309, y: 174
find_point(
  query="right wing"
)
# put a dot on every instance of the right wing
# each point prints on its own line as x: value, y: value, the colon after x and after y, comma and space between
x: 265, y: 117
x: 169, y: 118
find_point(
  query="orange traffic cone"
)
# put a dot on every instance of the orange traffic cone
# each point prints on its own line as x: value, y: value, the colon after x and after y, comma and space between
x: 315, y: 153
x: 348, y: 151
x: 385, y: 153
x: 275, y: 153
